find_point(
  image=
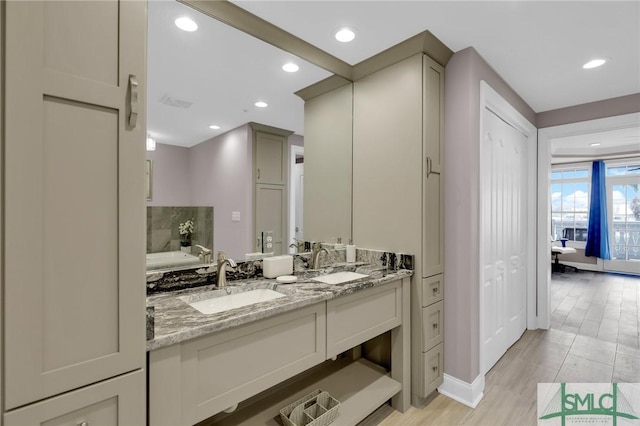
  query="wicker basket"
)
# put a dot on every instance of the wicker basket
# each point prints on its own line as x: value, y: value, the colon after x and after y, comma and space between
x: 315, y: 409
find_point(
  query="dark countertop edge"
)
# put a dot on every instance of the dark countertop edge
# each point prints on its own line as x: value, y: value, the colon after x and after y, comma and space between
x: 311, y: 299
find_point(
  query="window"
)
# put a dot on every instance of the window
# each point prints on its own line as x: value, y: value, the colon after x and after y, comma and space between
x: 623, y: 193
x: 570, y: 202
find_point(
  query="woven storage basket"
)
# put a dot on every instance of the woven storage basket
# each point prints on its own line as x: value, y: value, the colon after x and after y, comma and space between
x: 315, y: 409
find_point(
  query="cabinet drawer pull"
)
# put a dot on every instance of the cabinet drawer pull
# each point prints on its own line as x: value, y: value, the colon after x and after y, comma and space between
x: 435, y: 368
x: 258, y: 173
x: 435, y: 290
x: 435, y: 325
x: 429, y: 167
x: 133, y: 102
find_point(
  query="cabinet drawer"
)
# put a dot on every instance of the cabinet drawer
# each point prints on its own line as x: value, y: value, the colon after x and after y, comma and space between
x: 352, y: 320
x: 432, y: 289
x: 119, y: 401
x: 433, y: 361
x: 432, y: 325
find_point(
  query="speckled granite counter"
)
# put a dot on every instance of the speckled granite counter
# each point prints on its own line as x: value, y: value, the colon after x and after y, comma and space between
x: 176, y: 321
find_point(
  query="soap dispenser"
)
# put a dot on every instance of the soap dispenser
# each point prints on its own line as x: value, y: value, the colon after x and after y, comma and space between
x: 351, y: 252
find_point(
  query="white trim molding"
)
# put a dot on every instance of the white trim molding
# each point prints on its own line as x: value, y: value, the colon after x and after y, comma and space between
x: 469, y: 394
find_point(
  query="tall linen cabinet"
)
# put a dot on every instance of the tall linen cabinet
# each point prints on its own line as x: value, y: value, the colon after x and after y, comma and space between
x: 398, y: 193
x: 73, y: 213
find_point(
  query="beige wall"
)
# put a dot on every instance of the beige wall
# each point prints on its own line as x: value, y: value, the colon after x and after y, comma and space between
x: 221, y: 175
x: 216, y: 172
x: 170, y: 176
x: 463, y: 74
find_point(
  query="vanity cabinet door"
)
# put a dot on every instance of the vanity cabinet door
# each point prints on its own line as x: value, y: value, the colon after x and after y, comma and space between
x: 271, y: 214
x: 113, y: 402
x: 432, y: 183
x: 270, y: 149
x: 74, y: 193
x: 271, y: 158
x: 328, y: 140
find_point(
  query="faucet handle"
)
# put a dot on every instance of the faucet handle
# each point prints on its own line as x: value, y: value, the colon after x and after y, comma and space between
x: 222, y: 258
x: 203, y: 249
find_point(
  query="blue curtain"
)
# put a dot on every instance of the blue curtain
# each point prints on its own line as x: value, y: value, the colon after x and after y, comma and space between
x: 598, y: 231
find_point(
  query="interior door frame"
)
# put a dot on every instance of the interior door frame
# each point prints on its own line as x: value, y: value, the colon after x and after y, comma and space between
x: 492, y: 103
x: 545, y: 136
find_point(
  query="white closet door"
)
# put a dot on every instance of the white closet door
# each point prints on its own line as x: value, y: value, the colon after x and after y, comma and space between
x: 504, y: 237
x: 74, y: 191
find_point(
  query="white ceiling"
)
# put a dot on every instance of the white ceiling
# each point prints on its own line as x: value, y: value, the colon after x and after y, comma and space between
x: 617, y: 142
x: 538, y: 47
x: 222, y: 72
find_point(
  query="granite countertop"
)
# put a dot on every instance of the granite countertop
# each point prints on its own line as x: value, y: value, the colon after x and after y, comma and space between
x: 176, y: 321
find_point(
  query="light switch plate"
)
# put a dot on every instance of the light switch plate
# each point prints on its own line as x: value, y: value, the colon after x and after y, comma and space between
x: 235, y: 216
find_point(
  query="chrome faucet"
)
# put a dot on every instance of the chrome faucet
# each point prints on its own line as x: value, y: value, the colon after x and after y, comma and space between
x: 298, y: 245
x: 221, y: 277
x: 316, y: 249
x: 205, y: 254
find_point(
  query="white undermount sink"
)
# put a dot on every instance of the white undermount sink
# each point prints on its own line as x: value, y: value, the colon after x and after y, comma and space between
x: 339, y: 277
x: 227, y: 302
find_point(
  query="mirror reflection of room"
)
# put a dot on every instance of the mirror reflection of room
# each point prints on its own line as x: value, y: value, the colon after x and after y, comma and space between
x: 221, y: 115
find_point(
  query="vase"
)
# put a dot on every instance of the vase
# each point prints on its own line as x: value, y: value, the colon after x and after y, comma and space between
x: 185, y: 243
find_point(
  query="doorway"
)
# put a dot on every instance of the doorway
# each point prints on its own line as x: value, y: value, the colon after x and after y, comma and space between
x: 546, y: 136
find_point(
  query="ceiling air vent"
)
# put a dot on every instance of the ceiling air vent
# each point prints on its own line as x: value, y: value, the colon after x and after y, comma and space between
x: 176, y: 103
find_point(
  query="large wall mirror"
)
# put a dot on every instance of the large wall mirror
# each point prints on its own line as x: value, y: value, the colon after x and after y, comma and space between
x: 204, y: 89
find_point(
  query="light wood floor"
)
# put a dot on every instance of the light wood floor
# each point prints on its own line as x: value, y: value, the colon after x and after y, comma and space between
x: 593, y: 338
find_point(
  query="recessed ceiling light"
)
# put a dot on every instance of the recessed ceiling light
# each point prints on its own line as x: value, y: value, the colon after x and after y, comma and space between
x: 186, y: 24
x: 290, y: 67
x: 595, y: 63
x: 345, y: 35
x: 261, y: 104
x: 595, y: 144
x: 214, y: 127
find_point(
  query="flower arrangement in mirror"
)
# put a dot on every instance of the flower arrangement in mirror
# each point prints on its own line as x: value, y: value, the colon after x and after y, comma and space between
x: 186, y: 229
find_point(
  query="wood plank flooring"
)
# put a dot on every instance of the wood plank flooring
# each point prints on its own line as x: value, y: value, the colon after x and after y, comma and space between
x: 593, y: 338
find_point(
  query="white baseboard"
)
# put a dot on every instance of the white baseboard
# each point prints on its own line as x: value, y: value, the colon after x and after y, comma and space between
x: 463, y: 392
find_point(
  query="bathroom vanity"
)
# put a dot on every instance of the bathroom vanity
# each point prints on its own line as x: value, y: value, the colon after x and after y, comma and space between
x: 202, y: 364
